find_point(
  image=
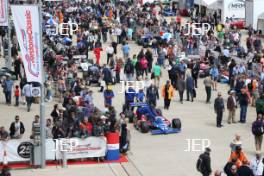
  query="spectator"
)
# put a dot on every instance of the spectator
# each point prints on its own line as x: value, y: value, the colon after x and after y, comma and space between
x: 49, y: 129
x: 239, y: 154
x: 257, y: 130
x: 181, y: 88
x: 157, y: 74
x: 3, y: 134
x: 235, y: 142
x: 7, y: 87
x: 129, y: 70
x: 214, y: 72
x: 17, y: 129
x: 260, y: 105
x: 17, y: 94
x: 243, y: 101
x: 27, y: 92
x: 231, y: 106
x: 57, y: 131
x: 189, y: 87
x: 245, y: 170
x: 219, y: 108
x: 55, y: 112
x: 256, y: 165
x: 167, y: 93
x: 204, y: 166
x: 35, y: 123
x: 108, y: 96
x: 208, y: 88
x: 152, y: 95
x: 229, y: 167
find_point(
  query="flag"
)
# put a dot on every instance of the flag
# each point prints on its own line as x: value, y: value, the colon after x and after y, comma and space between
x: 27, y: 26
x: 3, y: 13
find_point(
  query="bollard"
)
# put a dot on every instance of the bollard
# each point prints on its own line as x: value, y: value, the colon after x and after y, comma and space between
x: 64, y: 159
x: 112, y: 146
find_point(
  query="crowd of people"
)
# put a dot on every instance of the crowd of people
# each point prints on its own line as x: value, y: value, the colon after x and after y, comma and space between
x: 222, y: 58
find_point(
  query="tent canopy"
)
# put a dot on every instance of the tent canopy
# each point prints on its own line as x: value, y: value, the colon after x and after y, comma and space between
x: 205, y: 2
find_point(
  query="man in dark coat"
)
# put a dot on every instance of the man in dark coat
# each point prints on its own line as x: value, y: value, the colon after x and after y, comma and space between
x: 189, y: 87
x: 17, y: 129
x: 245, y: 170
x: 219, y: 108
x: 228, y: 167
x: 152, y: 95
x: 206, y: 169
x: 181, y: 88
x: 195, y: 73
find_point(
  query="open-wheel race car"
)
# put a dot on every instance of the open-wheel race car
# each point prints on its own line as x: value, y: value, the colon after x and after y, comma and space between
x: 148, y: 118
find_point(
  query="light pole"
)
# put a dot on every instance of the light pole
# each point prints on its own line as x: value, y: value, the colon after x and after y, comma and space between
x: 42, y: 101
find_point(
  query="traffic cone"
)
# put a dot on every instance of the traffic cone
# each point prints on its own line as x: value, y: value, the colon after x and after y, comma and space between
x: 5, y: 161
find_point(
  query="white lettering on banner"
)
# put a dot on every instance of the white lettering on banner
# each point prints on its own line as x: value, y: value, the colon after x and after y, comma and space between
x: 112, y: 146
x: 26, y: 22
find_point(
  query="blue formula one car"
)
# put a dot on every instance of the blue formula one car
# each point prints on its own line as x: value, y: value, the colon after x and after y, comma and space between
x: 149, y: 118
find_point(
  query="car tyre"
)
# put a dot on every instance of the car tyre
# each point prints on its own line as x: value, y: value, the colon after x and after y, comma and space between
x: 176, y: 123
x: 144, y: 127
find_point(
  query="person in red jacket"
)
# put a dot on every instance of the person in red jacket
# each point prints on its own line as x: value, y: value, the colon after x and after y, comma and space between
x: 85, y: 124
x: 97, y: 53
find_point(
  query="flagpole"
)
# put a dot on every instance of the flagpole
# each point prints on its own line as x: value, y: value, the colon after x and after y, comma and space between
x: 42, y: 101
x: 9, y: 59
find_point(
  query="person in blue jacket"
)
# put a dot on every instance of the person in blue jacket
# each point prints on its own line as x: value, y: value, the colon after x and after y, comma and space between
x: 130, y: 95
x: 140, y: 95
x: 108, y: 96
x: 214, y: 72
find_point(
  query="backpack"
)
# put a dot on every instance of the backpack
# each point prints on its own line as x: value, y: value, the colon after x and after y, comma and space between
x: 199, y: 163
x: 258, y: 131
x: 128, y: 68
x: 143, y: 63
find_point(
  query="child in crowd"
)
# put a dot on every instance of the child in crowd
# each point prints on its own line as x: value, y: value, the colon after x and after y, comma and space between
x: 17, y: 93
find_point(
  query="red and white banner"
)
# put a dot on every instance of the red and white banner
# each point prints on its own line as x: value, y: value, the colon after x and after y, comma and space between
x: 3, y: 13
x: 27, y: 25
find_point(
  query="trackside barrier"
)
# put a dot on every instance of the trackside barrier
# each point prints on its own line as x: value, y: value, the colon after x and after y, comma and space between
x: 19, y: 150
x: 112, y: 146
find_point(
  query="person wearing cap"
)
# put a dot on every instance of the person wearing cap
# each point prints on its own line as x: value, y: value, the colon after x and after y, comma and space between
x: 231, y: 106
x: 205, y: 169
x: 235, y: 142
x: 256, y: 165
x: 108, y: 96
x: 219, y: 108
